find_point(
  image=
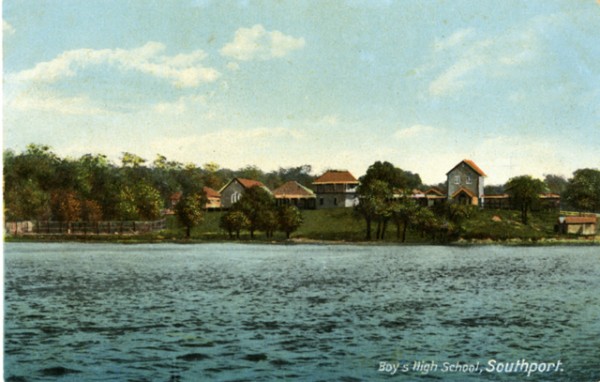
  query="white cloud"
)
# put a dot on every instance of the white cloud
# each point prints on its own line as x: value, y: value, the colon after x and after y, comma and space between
x: 232, y: 148
x: 7, y: 29
x: 50, y: 102
x: 233, y: 66
x: 415, y: 131
x: 184, y: 70
x: 258, y: 43
x: 469, y: 56
x: 180, y: 106
x: 454, y: 39
x: 329, y: 120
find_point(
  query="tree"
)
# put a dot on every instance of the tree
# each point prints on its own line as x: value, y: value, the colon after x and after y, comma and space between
x: 132, y: 160
x: 376, y: 193
x: 25, y: 200
x: 583, y: 190
x: 403, y: 212
x: 66, y: 206
x: 189, y: 210
x: 556, y: 184
x: 524, y: 191
x: 234, y: 221
x: 493, y: 189
x: 254, y: 201
x: 373, y: 197
x: 268, y: 221
x: 290, y: 219
x: 139, y: 201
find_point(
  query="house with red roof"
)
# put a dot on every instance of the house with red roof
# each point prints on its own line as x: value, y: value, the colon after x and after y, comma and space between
x: 465, y: 183
x: 336, y: 189
x: 578, y: 225
x: 234, y: 189
x: 293, y: 193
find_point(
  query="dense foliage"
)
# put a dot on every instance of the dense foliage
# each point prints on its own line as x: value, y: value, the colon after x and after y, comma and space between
x: 524, y: 192
x: 39, y: 185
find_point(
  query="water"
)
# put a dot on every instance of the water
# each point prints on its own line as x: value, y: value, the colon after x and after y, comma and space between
x: 87, y: 312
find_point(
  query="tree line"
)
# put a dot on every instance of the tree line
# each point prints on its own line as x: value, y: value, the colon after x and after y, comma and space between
x: 40, y: 185
x: 385, y: 189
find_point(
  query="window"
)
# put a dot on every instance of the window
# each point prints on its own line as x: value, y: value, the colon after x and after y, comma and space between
x: 457, y: 179
x: 321, y: 201
x: 469, y: 181
x: 335, y: 201
x: 235, y: 197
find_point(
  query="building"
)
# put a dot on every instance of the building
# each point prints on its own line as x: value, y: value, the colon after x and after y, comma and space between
x: 234, y: 189
x: 465, y: 183
x: 213, y: 198
x: 578, y: 225
x: 432, y: 197
x: 497, y: 202
x: 336, y: 189
x: 294, y: 194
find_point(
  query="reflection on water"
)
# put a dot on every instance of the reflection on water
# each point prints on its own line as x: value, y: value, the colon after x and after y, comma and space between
x: 250, y: 312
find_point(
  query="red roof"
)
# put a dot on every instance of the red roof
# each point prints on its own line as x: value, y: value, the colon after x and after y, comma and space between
x: 471, y: 164
x: 292, y: 189
x: 249, y: 183
x: 580, y: 219
x: 336, y: 176
x: 210, y: 193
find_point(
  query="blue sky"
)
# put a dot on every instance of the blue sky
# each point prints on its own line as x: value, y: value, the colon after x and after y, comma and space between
x: 513, y: 85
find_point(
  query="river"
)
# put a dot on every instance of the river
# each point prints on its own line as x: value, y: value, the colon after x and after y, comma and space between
x: 233, y: 312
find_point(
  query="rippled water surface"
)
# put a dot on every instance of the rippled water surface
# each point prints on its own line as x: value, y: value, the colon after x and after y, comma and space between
x: 259, y: 313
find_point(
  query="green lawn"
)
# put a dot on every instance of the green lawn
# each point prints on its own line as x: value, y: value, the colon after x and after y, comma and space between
x: 342, y: 225
x: 507, y: 225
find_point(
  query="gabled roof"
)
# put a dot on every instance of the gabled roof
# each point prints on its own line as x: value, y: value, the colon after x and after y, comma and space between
x: 249, y: 183
x: 466, y: 191
x: 580, y: 219
x: 434, y: 191
x: 336, y: 177
x: 293, y: 189
x: 471, y: 164
x: 210, y: 193
x: 246, y: 183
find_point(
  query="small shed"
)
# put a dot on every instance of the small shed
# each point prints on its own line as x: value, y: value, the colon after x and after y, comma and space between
x: 578, y: 225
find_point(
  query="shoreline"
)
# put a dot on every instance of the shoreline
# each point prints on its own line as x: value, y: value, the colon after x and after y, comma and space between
x: 133, y: 239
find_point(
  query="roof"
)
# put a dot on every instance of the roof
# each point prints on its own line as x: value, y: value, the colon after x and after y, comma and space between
x: 249, y: 183
x: 550, y: 196
x: 336, y: 177
x: 246, y: 183
x: 434, y: 190
x: 466, y: 191
x: 496, y: 196
x: 471, y: 164
x: 176, y: 195
x: 210, y: 193
x: 580, y: 219
x: 293, y: 189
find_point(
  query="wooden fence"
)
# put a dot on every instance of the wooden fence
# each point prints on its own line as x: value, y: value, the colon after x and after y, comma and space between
x: 84, y: 228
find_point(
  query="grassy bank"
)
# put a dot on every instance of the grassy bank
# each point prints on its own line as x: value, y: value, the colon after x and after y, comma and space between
x: 342, y: 225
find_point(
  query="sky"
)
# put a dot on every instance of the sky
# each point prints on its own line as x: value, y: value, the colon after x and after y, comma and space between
x: 512, y: 85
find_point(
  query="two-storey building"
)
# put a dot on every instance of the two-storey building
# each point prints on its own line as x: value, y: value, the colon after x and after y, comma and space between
x: 465, y: 183
x: 336, y: 189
